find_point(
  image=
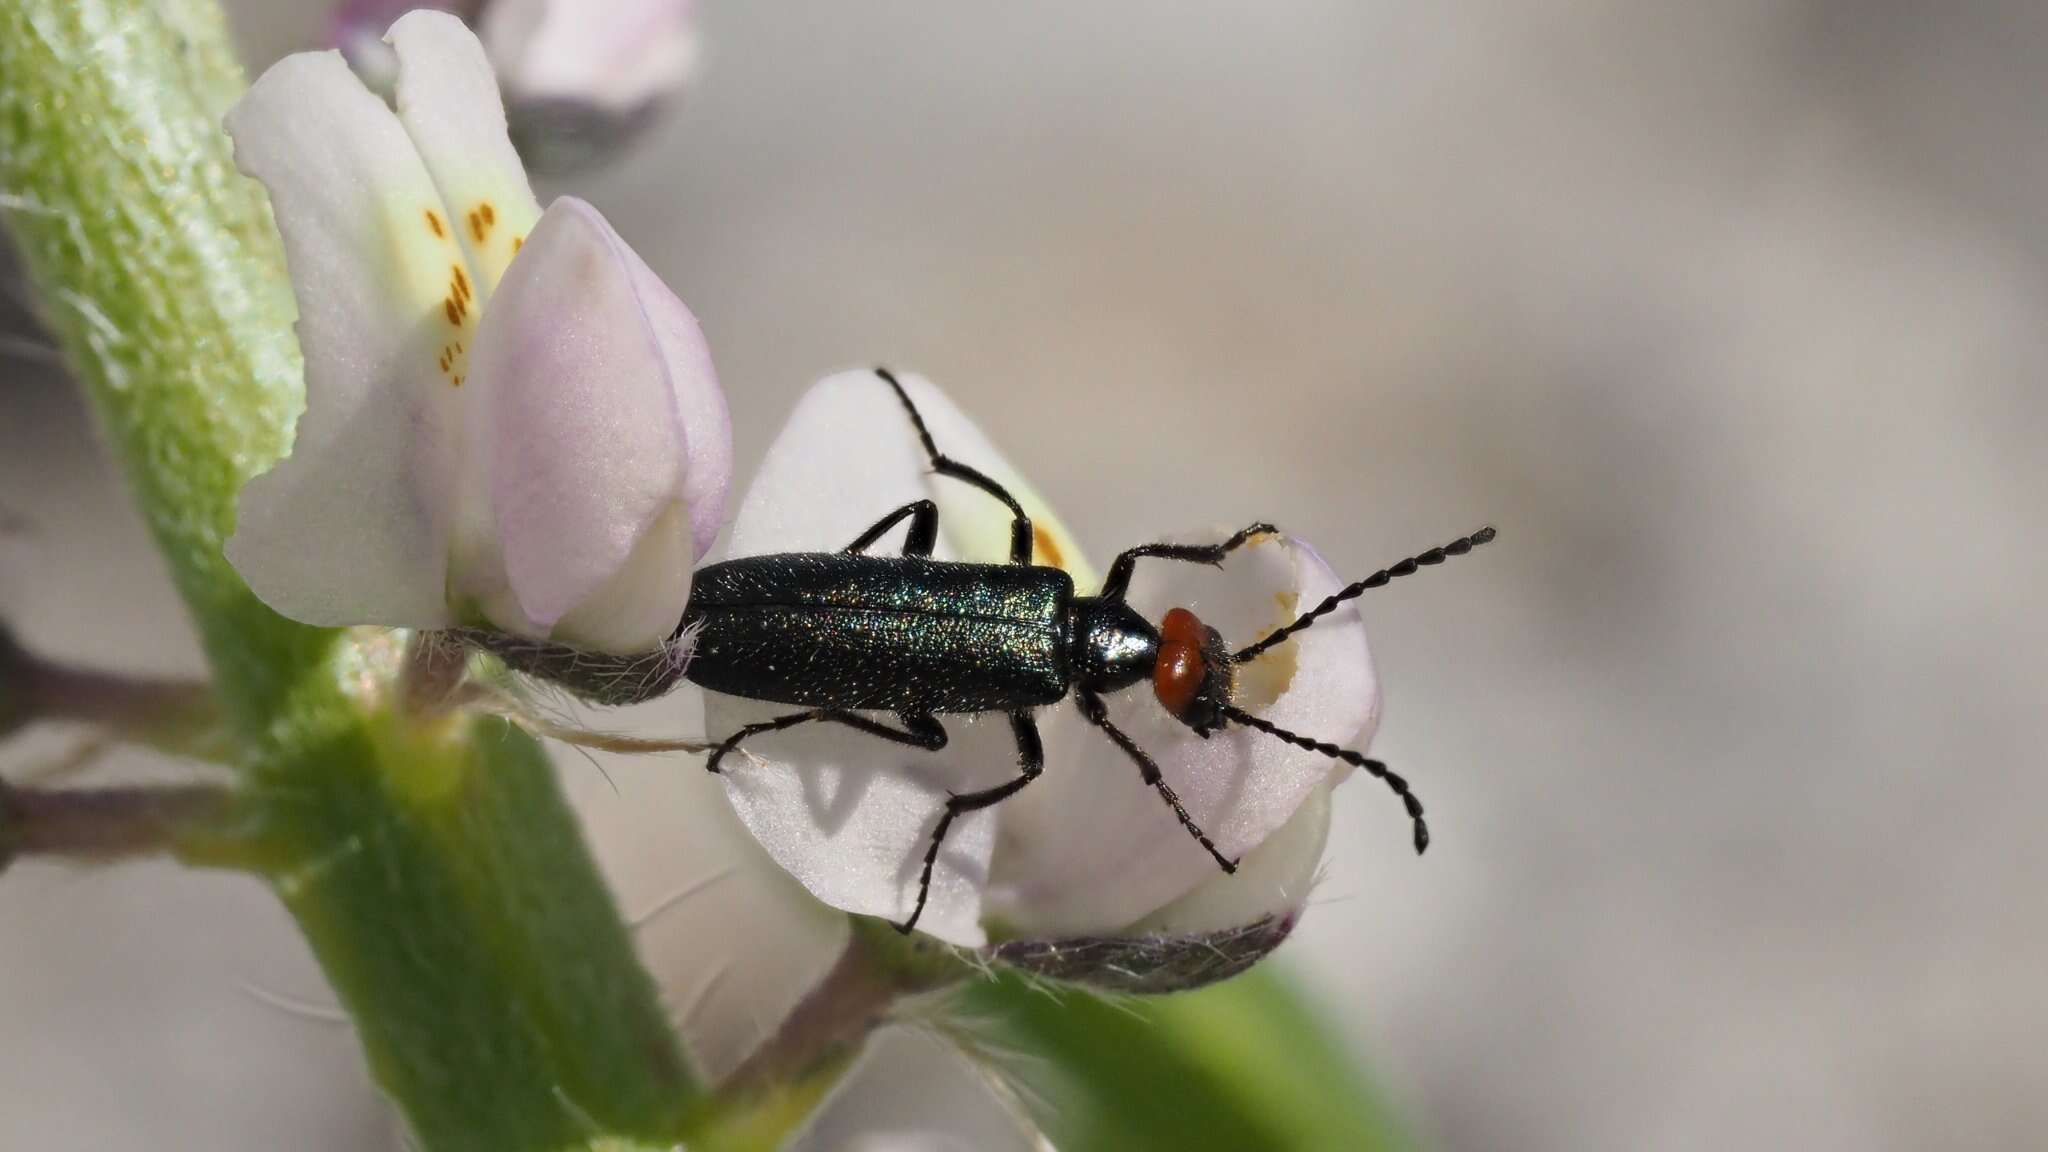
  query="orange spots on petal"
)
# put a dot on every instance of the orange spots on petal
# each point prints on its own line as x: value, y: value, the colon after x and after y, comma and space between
x: 476, y: 226
x: 434, y: 223
x: 518, y: 242
x: 461, y: 282
x: 489, y: 216
x: 454, y: 315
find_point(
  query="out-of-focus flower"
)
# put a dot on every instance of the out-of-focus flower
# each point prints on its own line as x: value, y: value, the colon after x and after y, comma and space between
x: 580, y: 77
x: 510, y: 421
x: 1088, y: 849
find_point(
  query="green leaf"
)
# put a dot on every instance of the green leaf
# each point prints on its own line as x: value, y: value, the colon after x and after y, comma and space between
x: 1247, y: 1063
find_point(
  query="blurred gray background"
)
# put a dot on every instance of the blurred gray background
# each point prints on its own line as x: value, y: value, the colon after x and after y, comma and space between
x: 1730, y: 316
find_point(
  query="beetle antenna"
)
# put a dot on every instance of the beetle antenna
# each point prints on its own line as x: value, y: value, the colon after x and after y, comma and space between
x: 1377, y: 768
x: 1406, y: 567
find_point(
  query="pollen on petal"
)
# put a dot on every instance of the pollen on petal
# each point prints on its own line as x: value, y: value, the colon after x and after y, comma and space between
x: 454, y: 314
x: 434, y: 224
x: 1044, y: 549
x: 461, y: 282
x: 518, y: 242
x: 481, y: 220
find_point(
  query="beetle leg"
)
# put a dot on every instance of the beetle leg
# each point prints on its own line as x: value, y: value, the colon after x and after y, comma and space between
x: 776, y: 725
x: 923, y: 534
x: 918, y: 731
x: 1030, y: 759
x: 1119, y: 580
x: 1096, y: 714
x: 944, y: 465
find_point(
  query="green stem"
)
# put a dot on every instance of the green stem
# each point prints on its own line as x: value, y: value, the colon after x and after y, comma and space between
x: 430, y: 859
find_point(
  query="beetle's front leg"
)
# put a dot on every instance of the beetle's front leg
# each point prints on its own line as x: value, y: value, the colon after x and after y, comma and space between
x: 1119, y: 580
x: 1097, y: 713
x: 1030, y: 761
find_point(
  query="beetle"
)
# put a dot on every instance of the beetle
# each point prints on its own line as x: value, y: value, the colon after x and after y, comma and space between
x: 847, y: 632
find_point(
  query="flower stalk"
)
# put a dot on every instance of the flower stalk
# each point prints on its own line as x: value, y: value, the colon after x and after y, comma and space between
x: 102, y: 825
x: 180, y: 717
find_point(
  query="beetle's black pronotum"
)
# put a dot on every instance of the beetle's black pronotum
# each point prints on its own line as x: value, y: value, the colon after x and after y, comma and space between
x: 844, y: 632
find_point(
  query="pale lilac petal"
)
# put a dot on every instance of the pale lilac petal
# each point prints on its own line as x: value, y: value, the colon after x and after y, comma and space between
x: 616, y: 54
x: 639, y: 601
x: 1272, y: 880
x: 581, y: 431
x: 700, y: 403
x: 848, y: 814
x: 1090, y: 848
x: 448, y: 100
x: 353, y: 527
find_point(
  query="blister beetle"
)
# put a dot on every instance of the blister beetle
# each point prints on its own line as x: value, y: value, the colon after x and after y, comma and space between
x: 843, y: 633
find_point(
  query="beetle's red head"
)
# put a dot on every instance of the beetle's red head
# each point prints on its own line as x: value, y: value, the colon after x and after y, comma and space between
x: 1195, y: 677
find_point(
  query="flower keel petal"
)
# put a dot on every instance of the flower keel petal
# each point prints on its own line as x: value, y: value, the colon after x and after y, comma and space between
x: 580, y: 434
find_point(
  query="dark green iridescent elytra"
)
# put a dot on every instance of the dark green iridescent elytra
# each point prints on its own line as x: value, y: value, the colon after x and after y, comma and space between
x: 895, y: 633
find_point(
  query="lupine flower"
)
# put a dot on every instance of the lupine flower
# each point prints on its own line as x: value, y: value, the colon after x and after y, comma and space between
x: 580, y: 77
x: 510, y: 422
x: 1087, y: 850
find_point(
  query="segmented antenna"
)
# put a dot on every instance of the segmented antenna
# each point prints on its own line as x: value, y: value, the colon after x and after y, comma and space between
x: 1393, y: 780
x: 1406, y: 567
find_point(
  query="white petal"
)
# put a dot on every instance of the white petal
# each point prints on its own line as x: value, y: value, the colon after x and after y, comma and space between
x: 580, y: 426
x: 352, y: 527
x: 1091, y: 849
x: 448, y: 100
x: 850, y: 815
x: 846, y: 813
x: 1273, y: 878
x: 860, y: 459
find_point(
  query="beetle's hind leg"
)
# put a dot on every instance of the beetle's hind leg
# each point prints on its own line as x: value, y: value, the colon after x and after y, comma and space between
x: 923, y: 534
x: 918, y: 731
x: 1030, y: 761
x: 944, y: 465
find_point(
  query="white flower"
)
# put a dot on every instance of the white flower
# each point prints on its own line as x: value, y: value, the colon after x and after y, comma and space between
x: 1088, y: 848
x: 510, y: 420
